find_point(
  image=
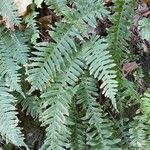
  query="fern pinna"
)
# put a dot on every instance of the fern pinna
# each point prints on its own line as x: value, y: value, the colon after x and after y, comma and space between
x: 71, y: 82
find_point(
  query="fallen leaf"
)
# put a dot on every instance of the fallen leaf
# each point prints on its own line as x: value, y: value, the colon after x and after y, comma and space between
x: 22, y: 6
x: 45, y: 21
x: 146, y: 1
x: 128, y: 68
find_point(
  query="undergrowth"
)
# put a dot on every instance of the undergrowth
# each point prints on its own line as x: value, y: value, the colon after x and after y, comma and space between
x: 79, y: 84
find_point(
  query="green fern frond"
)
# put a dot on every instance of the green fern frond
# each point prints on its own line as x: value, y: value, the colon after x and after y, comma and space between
x: 87, y: 12
x: 101, y: 66
x: 59, y: 94
x: 138, y: 131
x: 14, y: 44
x: 57, y: 104
x: 31, y: 105
x: 9, y: 129
x: 9, y: 69
x: 145, y: 105
x: 74, y: 70
x: 59, y: 6
x: 100, y: 131
x: 78, y: 127
x: 127, y: 94
x: 19, y: 48
x: 9, y: 11
x: 51, y: 58
x: 13, y: 52
x: 82, y: 15
x: 32, y: 27
x: 99, y: 134
x: 144, y: 29
x: 38, y: 2
x: 119, y: 33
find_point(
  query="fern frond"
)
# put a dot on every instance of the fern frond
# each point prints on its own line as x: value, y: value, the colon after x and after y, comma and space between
x: 82, y: 15
x: 127, y: 94
x: 9, y: 129
x: 9, y: 11
x: 119, y: 33
x: 144, y: 29
x: 57, y: 104
x: 138, y: 132
x: 31, y: 105
x: 19, y: 48
x: 13, y: 52
x: 101, y: 66
x: 87, y: 12
x: 145, y: 105
x: 78, y: 127
x: 32, y: 27
x: 9, y: 68
x: 38, y: 2
x: 59, y: 6
x: 50, y: 59
x: 57, y: 101
x: 99, y: 131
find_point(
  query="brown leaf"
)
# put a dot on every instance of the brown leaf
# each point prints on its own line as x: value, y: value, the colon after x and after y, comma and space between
x: 45, y: 21
x: 128, y: 68
x: 146, y: 1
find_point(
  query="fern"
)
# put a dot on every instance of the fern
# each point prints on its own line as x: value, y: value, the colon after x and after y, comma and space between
x: 71, y: 78
x: 138, y: 135
x: 32, y: 25
x: 57, y: 104
x: 63, y: 48
x: 12, y: 15
x: 9, y: 122
x: 99, y: 134
x: 53, y: 56
x: 78, y: 126
x: 31, y: 105
x: 119, y: 33
x: 13, y: 53
x: 38, y: 2
x: 145, y: 101
x: 101, y: 66
x: 144, y: 29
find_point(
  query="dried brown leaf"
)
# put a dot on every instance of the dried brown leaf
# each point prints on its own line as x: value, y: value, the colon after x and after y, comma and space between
x: 128, y: 68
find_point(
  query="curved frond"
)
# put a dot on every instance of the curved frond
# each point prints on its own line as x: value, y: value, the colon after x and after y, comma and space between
x: 101, y: 66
